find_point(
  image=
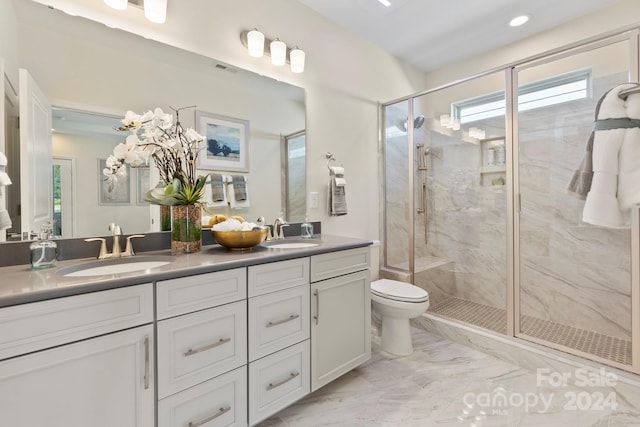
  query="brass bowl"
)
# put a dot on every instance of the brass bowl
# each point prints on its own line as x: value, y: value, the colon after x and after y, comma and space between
x: 240, y: 240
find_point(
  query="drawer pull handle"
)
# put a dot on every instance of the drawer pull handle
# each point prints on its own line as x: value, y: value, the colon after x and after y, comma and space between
x: 280, y: 322
x: 221, y: 341
x: 291, y: 376
x: 146, y: 362
x: 210, y: 418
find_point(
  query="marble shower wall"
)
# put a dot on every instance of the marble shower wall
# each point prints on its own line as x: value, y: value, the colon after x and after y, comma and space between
x: 466, y: 225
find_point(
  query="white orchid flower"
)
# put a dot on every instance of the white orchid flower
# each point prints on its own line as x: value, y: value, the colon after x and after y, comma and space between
x: 132, y: 141
x: 120, y: 151
x: 192, y: 135
x: 146, y: 117
x: 113, y: 162
x: 131, y: 119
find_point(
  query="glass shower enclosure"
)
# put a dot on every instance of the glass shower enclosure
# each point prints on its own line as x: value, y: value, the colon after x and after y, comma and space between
x: 477, y: 211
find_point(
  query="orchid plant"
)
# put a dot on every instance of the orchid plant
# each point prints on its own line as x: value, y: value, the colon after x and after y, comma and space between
x: 173, y: 149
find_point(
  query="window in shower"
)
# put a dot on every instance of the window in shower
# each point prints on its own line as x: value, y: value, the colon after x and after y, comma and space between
x: 544, y: 93
x: 574, y: 287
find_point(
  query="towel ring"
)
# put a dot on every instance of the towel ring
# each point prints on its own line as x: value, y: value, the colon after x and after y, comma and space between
x: 330, y: 158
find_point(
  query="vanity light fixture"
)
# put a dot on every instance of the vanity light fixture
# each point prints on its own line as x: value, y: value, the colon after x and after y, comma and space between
x: 278, y: 52
x: 155, y: 11
x: 449, y: 122
x: 258, y: 45
x: 255, y: 43
x: 117, y: 4
x: 519, y: 20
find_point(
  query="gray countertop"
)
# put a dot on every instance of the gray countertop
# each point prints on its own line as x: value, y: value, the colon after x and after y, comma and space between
x: 20, y: 285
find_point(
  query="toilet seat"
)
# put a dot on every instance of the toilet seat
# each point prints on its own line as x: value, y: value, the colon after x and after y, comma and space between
x: 399, y: 291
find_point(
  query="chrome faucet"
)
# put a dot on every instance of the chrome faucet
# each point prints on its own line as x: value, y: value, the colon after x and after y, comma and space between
x: 278, y: 228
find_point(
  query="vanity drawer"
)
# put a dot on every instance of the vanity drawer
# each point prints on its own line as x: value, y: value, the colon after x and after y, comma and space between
x: 196, y: 347
x: 326, y: 266
x: 278, y: 380
x: 39, y: 325
x: 221, y: 401
x: 278, y: 320
x: 276, y: 276
x: 186, y: 294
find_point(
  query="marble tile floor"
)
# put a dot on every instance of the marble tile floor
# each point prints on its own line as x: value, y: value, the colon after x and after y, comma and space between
x: 447, y: 384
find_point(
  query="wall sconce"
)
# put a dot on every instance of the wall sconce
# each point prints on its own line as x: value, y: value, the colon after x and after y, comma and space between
x: 255, y: 43
x: 154, y: 10
x: 477, y: 133
x: 448, y: 122
x: 278, y: 52
x: 258, y: 45
x: 116, y: 4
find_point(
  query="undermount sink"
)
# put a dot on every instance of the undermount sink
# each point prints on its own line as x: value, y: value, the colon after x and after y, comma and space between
x: 291, y: 243
x: 109, y: 267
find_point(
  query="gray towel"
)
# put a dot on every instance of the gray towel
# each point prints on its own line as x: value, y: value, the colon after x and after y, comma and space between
x: 337, y: 192
x: 239, y: 187
x: 217, y: 187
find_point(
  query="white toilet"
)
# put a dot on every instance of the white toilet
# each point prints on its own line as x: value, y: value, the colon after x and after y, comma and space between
x: 396, y: 302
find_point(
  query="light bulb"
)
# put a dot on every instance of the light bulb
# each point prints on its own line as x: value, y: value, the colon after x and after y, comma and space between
x: 255, y: 43
x: 278, y: 52
x: 116, y: 4
x: 296, y: 57
x: 155, y: 10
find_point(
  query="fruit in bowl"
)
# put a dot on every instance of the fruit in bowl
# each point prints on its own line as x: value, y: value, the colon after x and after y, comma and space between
x: 238, y: 236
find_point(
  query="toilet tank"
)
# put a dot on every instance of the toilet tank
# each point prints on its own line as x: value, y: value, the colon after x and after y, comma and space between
x: 375, y: 260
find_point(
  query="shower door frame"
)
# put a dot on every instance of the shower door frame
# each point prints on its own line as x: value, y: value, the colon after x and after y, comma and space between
x: 513, y: 288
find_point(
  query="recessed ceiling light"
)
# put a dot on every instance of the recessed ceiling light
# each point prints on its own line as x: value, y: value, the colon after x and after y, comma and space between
x: 519, y: 20
x: 385, y: 3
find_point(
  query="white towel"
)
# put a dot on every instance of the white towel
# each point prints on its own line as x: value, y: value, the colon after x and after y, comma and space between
x: 616, y: 164
x: 5, y: 219
x: 4, y: 178
x: 337, y: 192
x: 221, y: 196
x: 231, y: 194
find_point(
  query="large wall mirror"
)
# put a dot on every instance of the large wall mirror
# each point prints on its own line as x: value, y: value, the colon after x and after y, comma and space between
x: 91, y: 75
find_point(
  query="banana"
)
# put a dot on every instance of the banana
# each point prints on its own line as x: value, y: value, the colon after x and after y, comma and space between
x: 216, y: 219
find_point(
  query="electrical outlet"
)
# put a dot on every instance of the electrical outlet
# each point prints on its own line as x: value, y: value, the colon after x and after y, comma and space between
x: 313, y: 199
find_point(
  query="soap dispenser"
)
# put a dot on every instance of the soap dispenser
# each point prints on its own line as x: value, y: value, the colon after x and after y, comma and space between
x: 43, y: 253
x: 306, y: 228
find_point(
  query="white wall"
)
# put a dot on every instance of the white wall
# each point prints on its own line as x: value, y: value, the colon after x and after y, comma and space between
x: 623, y: 14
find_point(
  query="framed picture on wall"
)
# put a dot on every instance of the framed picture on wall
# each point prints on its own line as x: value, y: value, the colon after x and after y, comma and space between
x: 226, y: 144
x: 142, y: 186
x: 114, y: 192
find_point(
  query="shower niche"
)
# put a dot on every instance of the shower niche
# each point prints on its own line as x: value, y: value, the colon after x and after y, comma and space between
x: 493, y: 165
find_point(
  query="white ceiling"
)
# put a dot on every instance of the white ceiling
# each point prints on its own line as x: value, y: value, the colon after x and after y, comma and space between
x: 430, y: 34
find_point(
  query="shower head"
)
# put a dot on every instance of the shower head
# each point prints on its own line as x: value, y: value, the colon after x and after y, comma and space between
x: 417, y: 123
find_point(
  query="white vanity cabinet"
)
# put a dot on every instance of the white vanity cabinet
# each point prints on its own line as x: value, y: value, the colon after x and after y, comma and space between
x: 202, y: 349
x: 341, y: 314
x: 279, y: 331
x: 78, y: 361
